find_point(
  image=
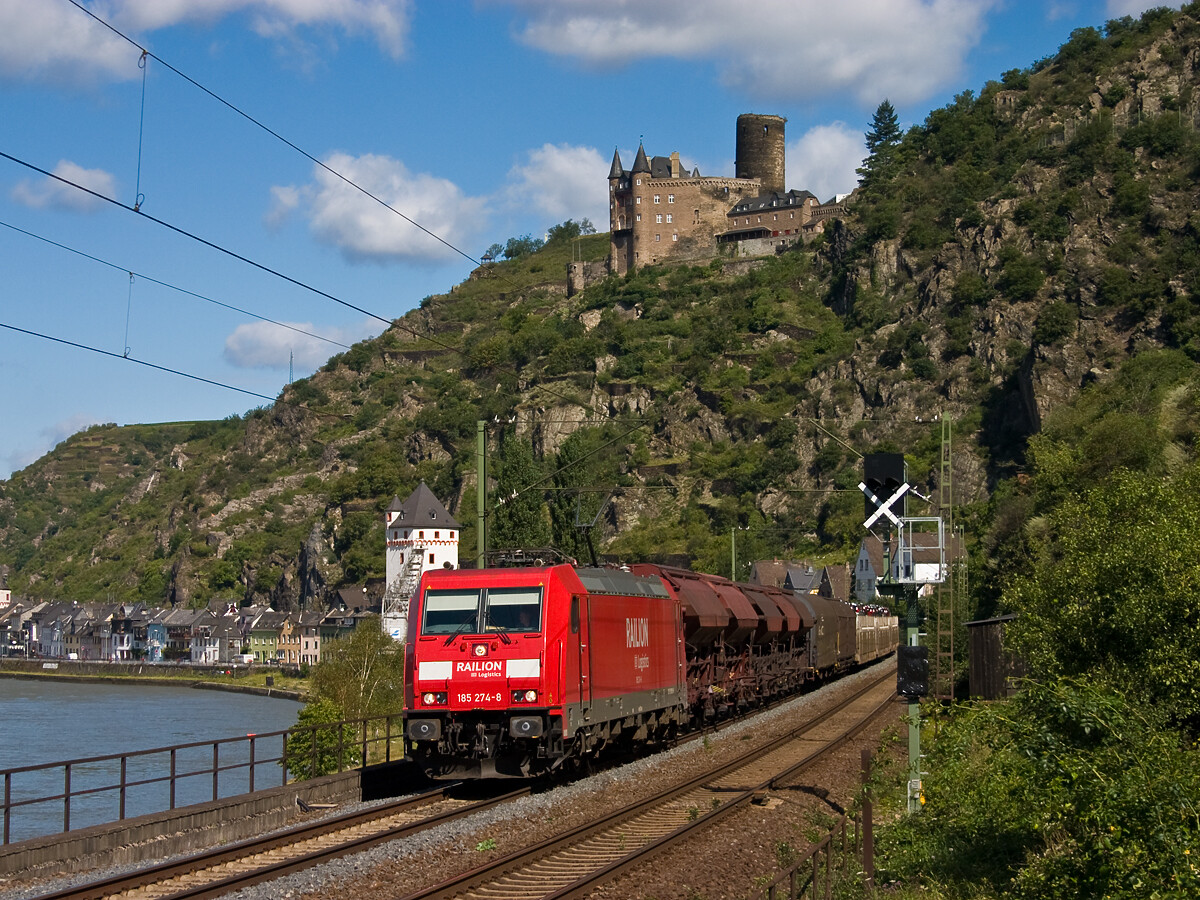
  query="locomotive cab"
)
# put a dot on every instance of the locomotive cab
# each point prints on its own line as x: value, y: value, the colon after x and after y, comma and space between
x: 478, y: 690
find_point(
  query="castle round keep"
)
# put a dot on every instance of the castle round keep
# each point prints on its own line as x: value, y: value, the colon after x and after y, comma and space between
x: 659, y: 210
x: 761, y: 150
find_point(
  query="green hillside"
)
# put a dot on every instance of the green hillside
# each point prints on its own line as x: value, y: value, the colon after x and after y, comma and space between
x: 1020, y: 244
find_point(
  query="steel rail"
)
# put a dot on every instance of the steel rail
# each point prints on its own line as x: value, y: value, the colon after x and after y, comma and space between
x: 687, y: 797
x: 368, y: 828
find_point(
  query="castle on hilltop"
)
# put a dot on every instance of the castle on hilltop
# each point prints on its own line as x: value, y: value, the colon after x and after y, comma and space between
x: 660, y: 211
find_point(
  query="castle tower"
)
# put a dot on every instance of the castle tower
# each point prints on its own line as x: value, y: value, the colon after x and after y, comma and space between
x: 761, y: 150
x: 419, y: 535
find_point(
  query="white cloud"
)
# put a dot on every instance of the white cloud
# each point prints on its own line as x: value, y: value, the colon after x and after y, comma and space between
x: 823, y: 160
x: 48, y: 438
x: 563, y: 182
x: 775, y: 49
x: 364, y: 229
x: 49, y: 193
x: 1135, y: 8
x: 263, y: 345
x: 56, y: 41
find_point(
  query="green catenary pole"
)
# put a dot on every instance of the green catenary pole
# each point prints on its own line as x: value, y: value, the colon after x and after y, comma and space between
x: 480, y: 494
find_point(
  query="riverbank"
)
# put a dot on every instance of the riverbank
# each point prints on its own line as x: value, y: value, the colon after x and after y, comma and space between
x: 262, y: 681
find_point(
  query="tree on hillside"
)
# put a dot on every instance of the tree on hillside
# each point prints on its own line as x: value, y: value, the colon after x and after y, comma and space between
x: 569, y: 230
x: 520, y: 518
x: 1114, y: 592
x: 882, y: 138
x: 516, y: 247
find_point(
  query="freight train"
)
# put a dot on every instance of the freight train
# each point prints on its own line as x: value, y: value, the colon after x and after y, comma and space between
x: 518, y: 672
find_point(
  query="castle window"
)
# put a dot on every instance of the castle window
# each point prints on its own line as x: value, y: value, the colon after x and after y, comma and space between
x: 668, y: 217
x: 421, y: 535
x: 670, y: 198
x: 638, y: 201
x: 431, y: 559
x: 658, y: 237
x: 639, y: 217
x: 674, y: 237
x: 436, y: 535
x: 695, y: 217
x: 775, y: 217
x: 658, y: 218
x: 656, y: 198
x: 639, y: 181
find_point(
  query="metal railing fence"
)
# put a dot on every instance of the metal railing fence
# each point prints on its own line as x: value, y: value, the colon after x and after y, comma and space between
x: 101, y: 789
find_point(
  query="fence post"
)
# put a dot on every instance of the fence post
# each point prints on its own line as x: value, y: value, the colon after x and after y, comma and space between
x: 868, y: 826
x: 67, y: 797
x: 124, y: 772
x: 7, y: 801
x: 172, y: 778
x: 251, y: 764
x: 216, y: 767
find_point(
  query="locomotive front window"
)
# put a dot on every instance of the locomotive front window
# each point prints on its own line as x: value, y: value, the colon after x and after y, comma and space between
x: 514, y: 609
x: 450, y: 612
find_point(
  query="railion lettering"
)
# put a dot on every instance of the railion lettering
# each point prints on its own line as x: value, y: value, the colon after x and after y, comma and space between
x: 637, y: 632
x: 479, y: 666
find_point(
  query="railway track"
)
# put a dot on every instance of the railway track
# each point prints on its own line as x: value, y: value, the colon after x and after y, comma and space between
x: 575, y: 863
x: 598, y: 851
x: 223, y: 870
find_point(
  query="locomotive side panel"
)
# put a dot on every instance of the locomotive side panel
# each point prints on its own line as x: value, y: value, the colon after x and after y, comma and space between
x: 633, y: 655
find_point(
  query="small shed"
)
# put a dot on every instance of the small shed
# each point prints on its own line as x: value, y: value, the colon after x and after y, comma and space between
x: 994, y: 668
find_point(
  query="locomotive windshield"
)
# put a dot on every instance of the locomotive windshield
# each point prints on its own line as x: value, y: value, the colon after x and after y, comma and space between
x: 513, y: 609
x: 450, y: 612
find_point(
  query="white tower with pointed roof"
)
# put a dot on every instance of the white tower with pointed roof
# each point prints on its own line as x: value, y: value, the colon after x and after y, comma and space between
x: 420, y: 535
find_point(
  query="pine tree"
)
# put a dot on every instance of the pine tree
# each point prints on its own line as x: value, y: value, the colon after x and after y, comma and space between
x: 885, y: 128
x: 882, y: 139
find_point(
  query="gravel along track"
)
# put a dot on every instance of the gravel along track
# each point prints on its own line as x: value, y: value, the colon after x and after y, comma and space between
x: 724, y: 862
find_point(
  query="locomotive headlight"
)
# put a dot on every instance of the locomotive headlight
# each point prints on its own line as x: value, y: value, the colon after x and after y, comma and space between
x: 432, y: 699
x: 530, y: 696
x: 427, y: 699
x: 524, y: 696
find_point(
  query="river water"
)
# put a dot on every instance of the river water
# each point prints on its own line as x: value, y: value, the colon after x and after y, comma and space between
x: 54, y: 721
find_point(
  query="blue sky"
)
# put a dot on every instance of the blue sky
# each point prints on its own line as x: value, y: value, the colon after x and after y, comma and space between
x: 478, y: 120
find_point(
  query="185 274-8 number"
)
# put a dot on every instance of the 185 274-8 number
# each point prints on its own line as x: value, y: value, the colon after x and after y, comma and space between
x: 480, y: 697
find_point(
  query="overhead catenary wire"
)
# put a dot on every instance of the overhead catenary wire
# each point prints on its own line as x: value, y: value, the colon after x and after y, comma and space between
x: 173, y: 287
x: 275, y: 134
x: 182, y: 374
x: 147, y: 54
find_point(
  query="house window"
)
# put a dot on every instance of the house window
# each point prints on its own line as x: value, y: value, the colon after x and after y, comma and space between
x: 406, y: 534
x: 436, y: 535
x: 658, y: 219
x: 421, y: 535
x: 658, y: 237
x: 431, y: 559
x: 670, y: 198
x: 668, y: 217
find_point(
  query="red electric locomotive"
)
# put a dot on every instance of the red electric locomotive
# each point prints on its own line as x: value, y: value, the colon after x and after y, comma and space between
x: 512, y: 671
